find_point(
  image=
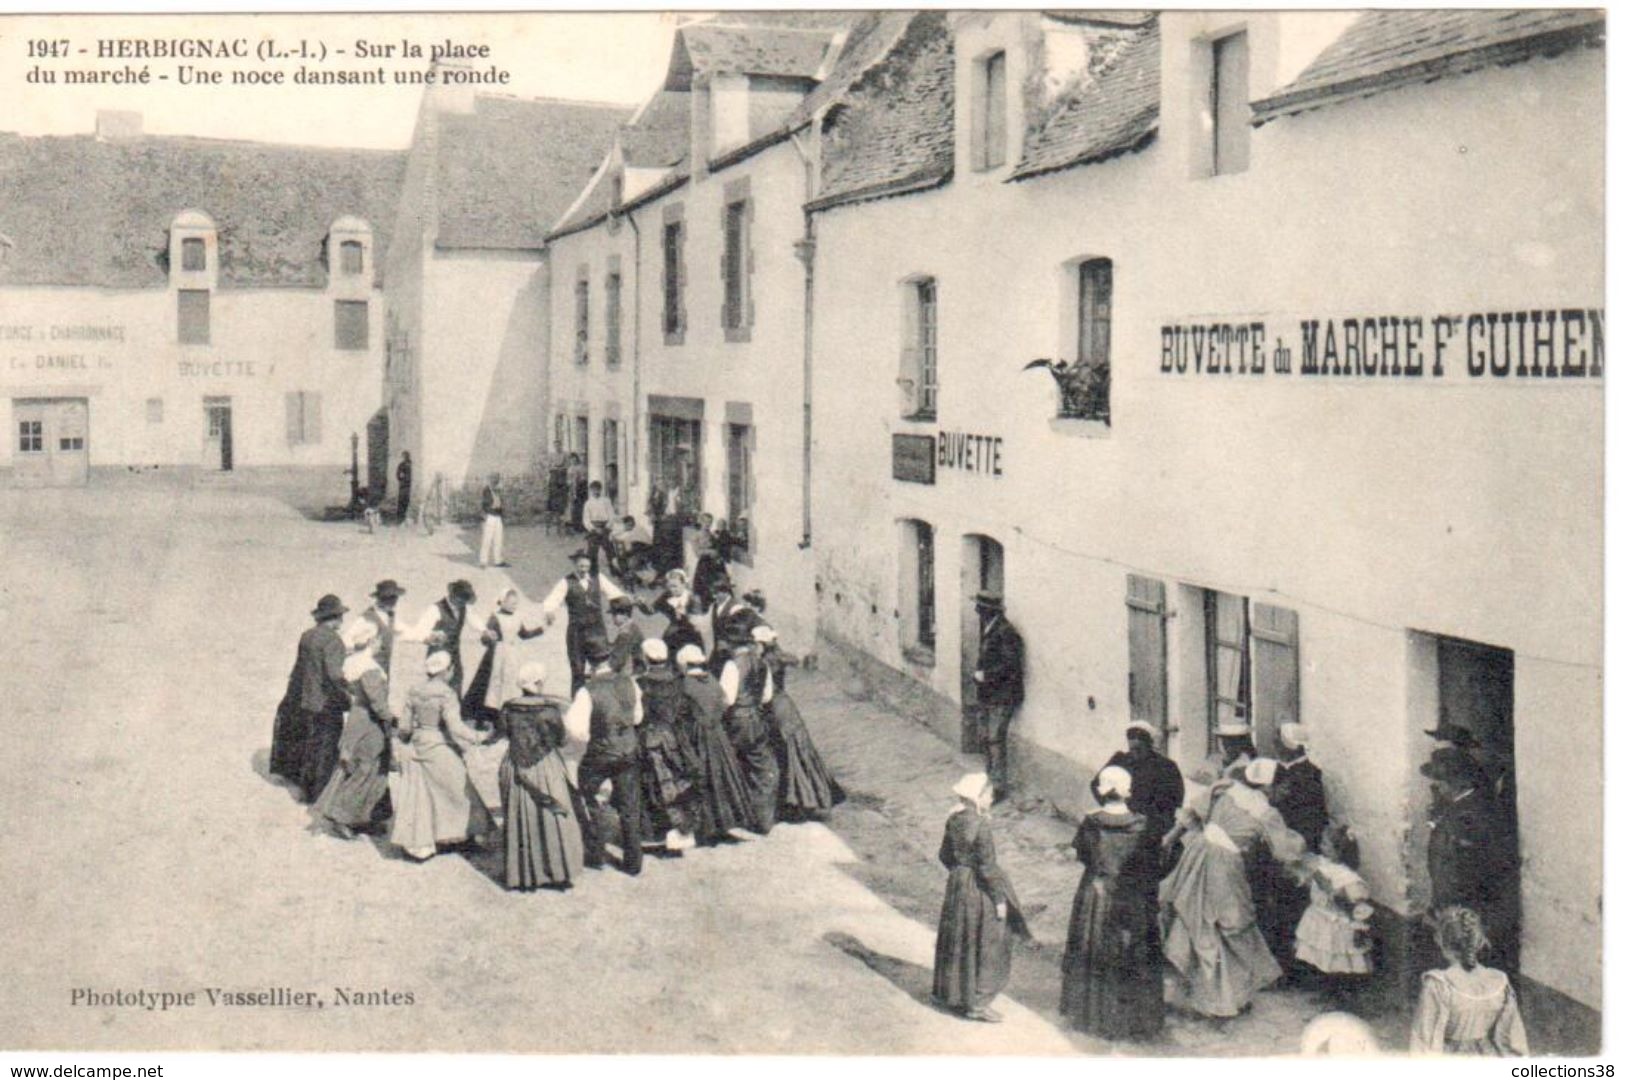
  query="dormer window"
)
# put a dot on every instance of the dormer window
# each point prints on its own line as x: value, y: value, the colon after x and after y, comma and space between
x: 1228, y: 109
x: 352, y: 257
x: 989, y: 127
x: 194, y: 254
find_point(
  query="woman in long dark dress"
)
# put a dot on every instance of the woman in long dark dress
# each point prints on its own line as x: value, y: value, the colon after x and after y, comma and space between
x: 541, y: 809
x: 747, y: 687
x: 806, y: 789
x: 361, y: 781
x: 668, y: 761
x: 979, y: 910
x: 1111, y: 974
x: 724, y: 804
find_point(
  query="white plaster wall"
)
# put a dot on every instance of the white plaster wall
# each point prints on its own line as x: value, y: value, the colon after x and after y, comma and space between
x: 263, y: 344
x: 1454, y: 506
x: 483, y: 359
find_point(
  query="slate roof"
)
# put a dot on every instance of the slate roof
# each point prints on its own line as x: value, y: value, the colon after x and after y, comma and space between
x: 1389, y: 48
x: 892, y: 131
x: 507, y: 171
x: 711, y: 48
x: 657, y: 136
x: 84, y: 212
x: 1100, y: 17
x: 1114, y: 113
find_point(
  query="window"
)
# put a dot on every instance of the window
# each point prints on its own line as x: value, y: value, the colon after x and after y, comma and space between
x: 917, y: 574
x: 612, y: 319
x: 31, y: 436
x: 155, y: 410
x: 736, y: 270
x: 1229, y: 668
x: 350, y: 257
x: 349, y: 324
x: 919, y: 378
x: 741, y: 440
x: 583, y: 314
x: 672, y: 283
x: 304, y: 418
x: 989, y: 135
x: 193, y: 256
x: 1228, y: 105
x: 193, y: 316
x: 558, y: 434
x: 1086, y: 390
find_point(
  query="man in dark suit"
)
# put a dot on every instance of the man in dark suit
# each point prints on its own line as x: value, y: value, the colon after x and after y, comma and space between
x: 1157, y: 789
x: 323, y: 697
x: 1001, y: 686
x: 1472, y: 860
x: 607, y: 710
x: 403, y: 487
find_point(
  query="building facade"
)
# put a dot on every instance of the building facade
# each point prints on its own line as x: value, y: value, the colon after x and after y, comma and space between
x: 465, y: 386
x: 187, y: 304
x: 1327, y: 445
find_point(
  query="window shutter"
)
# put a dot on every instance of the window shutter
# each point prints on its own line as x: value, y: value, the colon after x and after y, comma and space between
x: 295, y: 418
x: 313, y: 418
x: 1148, y: 653
x: 682, y: 279
x: 749, y: 242
x: 1275, y: 674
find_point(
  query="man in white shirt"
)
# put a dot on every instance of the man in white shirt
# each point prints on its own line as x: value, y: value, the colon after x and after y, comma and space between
x: 597, y: 515
x: 582, y: 593
x: 606, y: 711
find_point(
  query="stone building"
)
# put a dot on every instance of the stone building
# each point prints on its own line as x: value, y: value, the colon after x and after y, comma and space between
x: 1327, y: 444
x: 184, y: 303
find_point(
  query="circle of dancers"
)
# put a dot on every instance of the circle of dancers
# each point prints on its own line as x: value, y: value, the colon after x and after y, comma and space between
x: 688, y: 747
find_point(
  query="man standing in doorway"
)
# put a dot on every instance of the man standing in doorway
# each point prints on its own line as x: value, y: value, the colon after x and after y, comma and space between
x: 1472, y: 861
x: 582, y: 595
x: 491, y: 533
x: 403, y: 486
x: 1001, y: 686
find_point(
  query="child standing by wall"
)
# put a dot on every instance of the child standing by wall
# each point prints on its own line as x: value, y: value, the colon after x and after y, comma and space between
x: 1467, y: 1008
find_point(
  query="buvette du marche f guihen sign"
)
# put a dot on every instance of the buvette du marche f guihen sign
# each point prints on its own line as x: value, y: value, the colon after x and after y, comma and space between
x: 1484, y: 346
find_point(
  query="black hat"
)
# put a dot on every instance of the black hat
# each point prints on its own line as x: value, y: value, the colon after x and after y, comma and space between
x: 579, y: 553
x: 755, y: 599
x: 1452, y: 766
x: 387, y: 589
x: 329, y: 607
x: 736, y: 631
x: 620, y: 605
x: 987, y: 599
x: 721, y: 582
x: 1454, y: 734
x: 461, y: 590
x: 596, y: 649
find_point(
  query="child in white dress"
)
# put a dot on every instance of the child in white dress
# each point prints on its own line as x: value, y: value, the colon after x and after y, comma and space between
x: 1334, y: 935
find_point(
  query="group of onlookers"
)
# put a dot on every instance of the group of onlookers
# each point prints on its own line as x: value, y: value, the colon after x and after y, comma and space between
x: 692, y: 745
x: 1200, y: 898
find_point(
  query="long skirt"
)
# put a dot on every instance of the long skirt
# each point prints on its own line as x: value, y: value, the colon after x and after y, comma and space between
x: 973, y: 946
x: 475, y: 710
x: 323, y: 730
x: 805, y: 785
x: 758, y: 765
x: 1111, y: 973
x: 435, y: 802
x: 543, y: 843
x: 361, y: 780
x: 724, y: 803
x: 288, y: 740
x: 668, y: 544
x: 1210, y: 933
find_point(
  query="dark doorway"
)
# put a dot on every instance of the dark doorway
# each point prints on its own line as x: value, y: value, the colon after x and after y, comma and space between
x: 217, y: 433
x: 981, y: 570
x: 378, y: 456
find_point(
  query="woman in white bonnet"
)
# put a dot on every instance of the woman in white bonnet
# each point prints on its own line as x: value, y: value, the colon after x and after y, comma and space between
x: 435, y: 802
x: 1210, y: 929
x: 541, y: 810
x: 359, y: 783
x: 979, y: 910
x: 1111, y: 972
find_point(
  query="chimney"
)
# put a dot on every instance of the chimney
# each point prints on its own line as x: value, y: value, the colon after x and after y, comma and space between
x: 114, y: 124
x: 455, y: 97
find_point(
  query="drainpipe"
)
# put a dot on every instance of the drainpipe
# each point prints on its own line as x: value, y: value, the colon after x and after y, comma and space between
x: 806, y: 249
x: 637, y: 356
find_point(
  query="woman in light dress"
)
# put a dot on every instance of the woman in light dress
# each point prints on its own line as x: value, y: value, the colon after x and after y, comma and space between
x: 497, y: 681
x: 1467, y: 1008
x: 435, y: 802
x: 361, y: 781
x: 1210, y: 936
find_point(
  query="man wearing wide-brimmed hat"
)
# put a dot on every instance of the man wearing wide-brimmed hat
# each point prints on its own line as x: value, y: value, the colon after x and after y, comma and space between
x: 386, y: 596
x: 1472, y: 856
x: 1001, y: 686
x: 316, y: 688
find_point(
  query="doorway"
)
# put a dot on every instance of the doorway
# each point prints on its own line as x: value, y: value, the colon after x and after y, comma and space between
x: 612, y: 463
x: 1476, y: 693
x: 217, y: 433
x: 51, y: 441
x: 378, y: 456
x: 981, y: 570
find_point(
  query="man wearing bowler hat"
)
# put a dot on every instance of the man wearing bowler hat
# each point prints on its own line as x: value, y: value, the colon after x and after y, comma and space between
x: 317, y: 678
x: 323, y: 695
x: 386, y: 596
x: 607, y: 711
x: 1001, y: 686
x: 1472, y: 857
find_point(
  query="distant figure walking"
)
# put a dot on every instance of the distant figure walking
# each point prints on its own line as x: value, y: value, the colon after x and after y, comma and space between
x: 491, y: 531
x: 403, y: 487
